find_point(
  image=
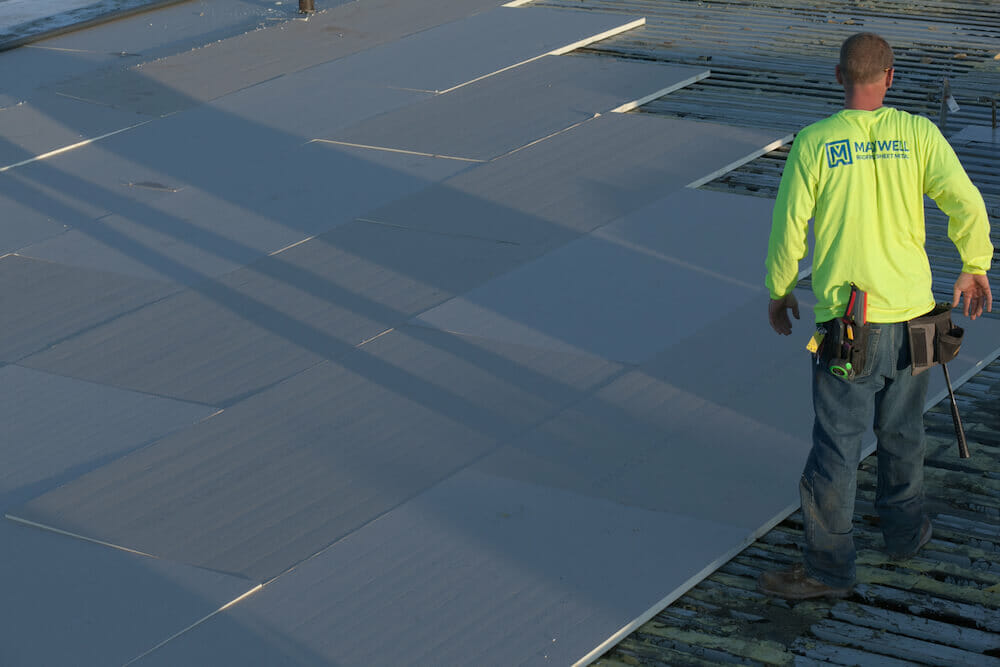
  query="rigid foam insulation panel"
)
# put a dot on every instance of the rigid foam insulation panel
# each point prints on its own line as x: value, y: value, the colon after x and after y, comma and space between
x: 328, y: 98
x: 183, y: 220
x: 630, y: 288
x: 282, y: 475
x: 66, y: 427
x: 391, y: 48
x: 131, y: 40
x: 230, y: 337
x: 554, y: 191
x: 501, y: 113
x: 68, y: 602
x: 477, y: 570
x: 34, y: 210
x: 44, y: 303
x: 50, y: 122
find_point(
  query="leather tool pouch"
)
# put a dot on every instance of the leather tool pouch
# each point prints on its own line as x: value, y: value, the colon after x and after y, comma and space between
x: 934, y: 339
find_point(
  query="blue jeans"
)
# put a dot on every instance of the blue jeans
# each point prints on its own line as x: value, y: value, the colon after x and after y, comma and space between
x: 887, y: 396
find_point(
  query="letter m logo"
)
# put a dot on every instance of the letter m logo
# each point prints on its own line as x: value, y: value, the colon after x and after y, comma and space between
x: 838, y: 153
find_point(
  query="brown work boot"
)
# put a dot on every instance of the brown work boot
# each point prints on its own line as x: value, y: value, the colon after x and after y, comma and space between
x: 926, y: 532
x: 794, y: 584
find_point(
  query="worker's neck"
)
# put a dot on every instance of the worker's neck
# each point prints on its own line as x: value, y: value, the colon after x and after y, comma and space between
x: 864, y: 98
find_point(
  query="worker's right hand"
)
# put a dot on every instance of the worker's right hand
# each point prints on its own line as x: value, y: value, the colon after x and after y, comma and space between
x: 777, y: 313
x: 976, y: 290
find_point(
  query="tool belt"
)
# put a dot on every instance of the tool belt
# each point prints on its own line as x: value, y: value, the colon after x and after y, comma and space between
x: 844, y: 350
x: 934, y: 339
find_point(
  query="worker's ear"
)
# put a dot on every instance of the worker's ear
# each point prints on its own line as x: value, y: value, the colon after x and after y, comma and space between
x: 888, y: 77
x: 838, y: 74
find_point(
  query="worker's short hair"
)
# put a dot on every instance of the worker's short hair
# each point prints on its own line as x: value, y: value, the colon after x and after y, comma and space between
x: 865, y: 58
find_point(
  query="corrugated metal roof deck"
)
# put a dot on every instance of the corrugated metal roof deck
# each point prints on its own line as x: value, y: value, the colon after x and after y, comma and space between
x: 772, y: 66
x: 772, y: 62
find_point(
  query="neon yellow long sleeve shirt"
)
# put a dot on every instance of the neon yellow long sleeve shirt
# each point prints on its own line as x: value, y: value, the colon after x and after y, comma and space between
x: 862, y: 177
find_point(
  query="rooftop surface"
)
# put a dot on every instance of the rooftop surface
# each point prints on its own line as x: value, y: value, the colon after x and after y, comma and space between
x: 313, y: 329
x: 25, y: 21
x: 770, y: 65
x: 939, y: 608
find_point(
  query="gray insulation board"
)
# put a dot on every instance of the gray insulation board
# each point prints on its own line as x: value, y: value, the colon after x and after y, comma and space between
x: 182, y: 219
x: 29, y: 215
x: 542, y: 196
x: 228, y: 338
x: 201, y: 237
x: 57, y: 428
x: 176, y: 28
x: 44, y: 303
x: 280, y: 476
x: 26, y: 70
x: 976, y: 134
x: 179, y: 81
x: 730, y: 401
x: 489, y: 42
x: 36, y: 204
x: 327, y: 99
x: 230, y: 157
x: 630, y: 288
x: 32, y: 71
x: 568, y: 533
x: 501, y: 113
x: 48, y: 122
x: 395, y: 46
x: 44, y: 198
x: 67, y: 602
x: 96, y: 179
x: 478, y: 570
x: 696, y: 414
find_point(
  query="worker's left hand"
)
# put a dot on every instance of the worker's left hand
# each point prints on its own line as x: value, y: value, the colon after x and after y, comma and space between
x: 976, y: 292
x: 777, y: 313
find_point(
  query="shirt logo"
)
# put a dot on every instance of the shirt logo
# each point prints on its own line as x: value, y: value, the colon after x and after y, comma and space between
x: 838, y: 153
x: 892, y: 149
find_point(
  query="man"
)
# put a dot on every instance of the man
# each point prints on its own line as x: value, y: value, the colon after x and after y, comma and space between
x: 862, y: 174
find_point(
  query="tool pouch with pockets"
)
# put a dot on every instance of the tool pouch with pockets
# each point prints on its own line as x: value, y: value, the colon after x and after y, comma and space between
x: 934, y: 339
x: 845, y: 346
x: 844, y: 356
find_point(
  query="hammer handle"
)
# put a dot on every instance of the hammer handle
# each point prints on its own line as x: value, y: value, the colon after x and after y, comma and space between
x: 963, y: 447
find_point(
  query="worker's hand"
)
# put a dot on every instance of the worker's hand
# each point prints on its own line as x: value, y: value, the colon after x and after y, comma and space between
x: 976, y: 290
x: 777, y: 313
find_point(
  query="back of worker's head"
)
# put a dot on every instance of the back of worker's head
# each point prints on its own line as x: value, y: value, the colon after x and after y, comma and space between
x: 864, y: 58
